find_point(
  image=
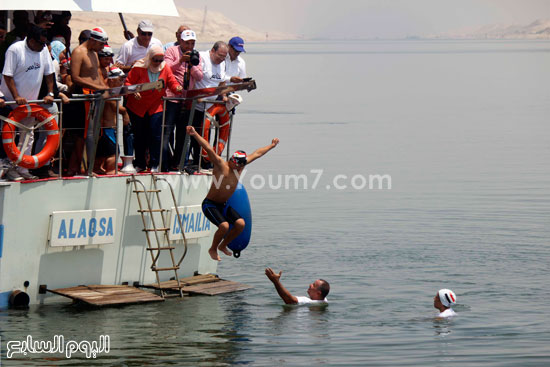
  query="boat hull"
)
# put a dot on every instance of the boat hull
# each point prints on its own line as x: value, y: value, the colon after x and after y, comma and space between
x: 67, y: 232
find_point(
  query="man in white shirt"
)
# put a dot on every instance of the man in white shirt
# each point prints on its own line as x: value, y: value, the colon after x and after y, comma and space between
x: 27, y: 63
x: 234, y: 63
x: 212, y: 64
x: 137, y: 47
x: 317, y: 291
x: 443, y: 300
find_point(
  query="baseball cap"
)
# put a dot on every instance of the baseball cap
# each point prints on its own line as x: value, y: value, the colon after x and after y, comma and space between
x: 106, y: 51
x: 237, y: 43
x: 239, y: 157
x: 99, y: 34
x: 188, y: 35
x: 115, y: 72
x: 146, y: 26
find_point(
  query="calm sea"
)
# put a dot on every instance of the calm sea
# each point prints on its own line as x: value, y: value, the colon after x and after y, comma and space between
x: 462, y: 130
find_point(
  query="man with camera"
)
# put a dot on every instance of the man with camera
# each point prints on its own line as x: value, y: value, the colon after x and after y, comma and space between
x: 185, y: 63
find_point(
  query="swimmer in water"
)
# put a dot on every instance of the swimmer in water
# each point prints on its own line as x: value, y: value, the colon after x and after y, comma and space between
x: 317, y: 291
x: 443, y: 300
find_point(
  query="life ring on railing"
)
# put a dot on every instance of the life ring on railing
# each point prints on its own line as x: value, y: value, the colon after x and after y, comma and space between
x: 45, y: 120
x: 223, y: 135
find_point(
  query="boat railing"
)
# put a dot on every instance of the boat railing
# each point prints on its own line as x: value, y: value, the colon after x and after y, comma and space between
x: 76, y: 98
x: 94, y: 128
x: 195, y: 102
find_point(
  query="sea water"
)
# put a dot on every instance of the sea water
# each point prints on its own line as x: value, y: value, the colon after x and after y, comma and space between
x: 460, y: 128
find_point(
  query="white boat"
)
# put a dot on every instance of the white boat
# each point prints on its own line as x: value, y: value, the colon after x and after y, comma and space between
x: 87, y: 230
x: 66, y: 232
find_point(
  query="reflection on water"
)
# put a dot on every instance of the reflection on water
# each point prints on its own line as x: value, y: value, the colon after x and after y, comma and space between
x: 200, y: 329
x: 442, y: 327
x: 311, y: 321
x: 462, y: 128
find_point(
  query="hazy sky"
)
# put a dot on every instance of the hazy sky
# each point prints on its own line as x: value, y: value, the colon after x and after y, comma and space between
x: 373, y: 18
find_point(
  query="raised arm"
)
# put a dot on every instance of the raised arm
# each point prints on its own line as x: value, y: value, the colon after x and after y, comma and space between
x: 283, y: 292
x: 214, y: 158
x: 261, y: 151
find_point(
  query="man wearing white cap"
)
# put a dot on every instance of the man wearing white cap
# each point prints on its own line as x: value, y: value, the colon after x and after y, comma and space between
x: 137, y: 47
x: 105, y: 60
x: 234, y: 63
x: 177, y: 58
x: 443, y: 300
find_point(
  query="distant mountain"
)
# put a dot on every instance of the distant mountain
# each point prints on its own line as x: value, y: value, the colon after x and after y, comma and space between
x: 216, y: 26
x: 539, y: 29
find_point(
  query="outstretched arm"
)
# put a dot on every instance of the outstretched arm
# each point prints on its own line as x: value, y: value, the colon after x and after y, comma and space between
x: 261, y: 151
x: 283, y: 292
x: 214, y: 158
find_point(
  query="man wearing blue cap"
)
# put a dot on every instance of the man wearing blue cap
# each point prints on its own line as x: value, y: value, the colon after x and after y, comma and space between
x: 234, y: 64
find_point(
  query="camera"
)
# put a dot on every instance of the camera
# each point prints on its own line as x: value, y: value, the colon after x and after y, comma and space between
x: 194, y: 57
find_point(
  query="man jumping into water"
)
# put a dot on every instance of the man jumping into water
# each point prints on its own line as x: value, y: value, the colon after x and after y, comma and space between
x: 225, y: 177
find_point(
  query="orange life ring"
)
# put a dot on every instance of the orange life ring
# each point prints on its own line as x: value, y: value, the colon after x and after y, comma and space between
x: 45, y: 120
x: 223, y: 135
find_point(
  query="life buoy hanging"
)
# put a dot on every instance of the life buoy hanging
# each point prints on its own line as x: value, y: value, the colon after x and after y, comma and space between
x: 45, y: 120
x: 223, y: 135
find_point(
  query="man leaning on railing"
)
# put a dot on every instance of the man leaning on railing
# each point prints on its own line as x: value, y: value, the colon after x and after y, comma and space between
x: 27, y: 62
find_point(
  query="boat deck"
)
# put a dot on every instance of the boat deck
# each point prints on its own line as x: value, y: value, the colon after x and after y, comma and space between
x: 107, y: 295
x: 207, y: 284
x: 111, y: 295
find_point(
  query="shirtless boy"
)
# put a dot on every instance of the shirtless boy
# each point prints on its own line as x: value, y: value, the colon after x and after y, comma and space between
x: 225, y: 177
x: 105, y: 161
x: 105, y: 61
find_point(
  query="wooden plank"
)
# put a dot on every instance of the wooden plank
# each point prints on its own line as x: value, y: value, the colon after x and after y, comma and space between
x: 227, y: 289
x: 220, y: 287
x: 173, y: 285
x: 207, y: 284
x: 197, y: 279
x: 102, y: 295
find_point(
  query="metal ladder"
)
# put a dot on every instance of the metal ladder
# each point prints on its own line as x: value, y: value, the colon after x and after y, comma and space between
x: 161, y: 245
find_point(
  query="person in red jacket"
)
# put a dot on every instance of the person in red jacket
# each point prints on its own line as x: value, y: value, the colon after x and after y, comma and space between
x: 145, y: 108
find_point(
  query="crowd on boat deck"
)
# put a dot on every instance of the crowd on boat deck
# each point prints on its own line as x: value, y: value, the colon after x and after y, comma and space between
x: 38, y: 63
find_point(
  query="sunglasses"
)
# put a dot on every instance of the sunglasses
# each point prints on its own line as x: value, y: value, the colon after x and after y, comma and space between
x: 157, y: 60
x: 147, y: 34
